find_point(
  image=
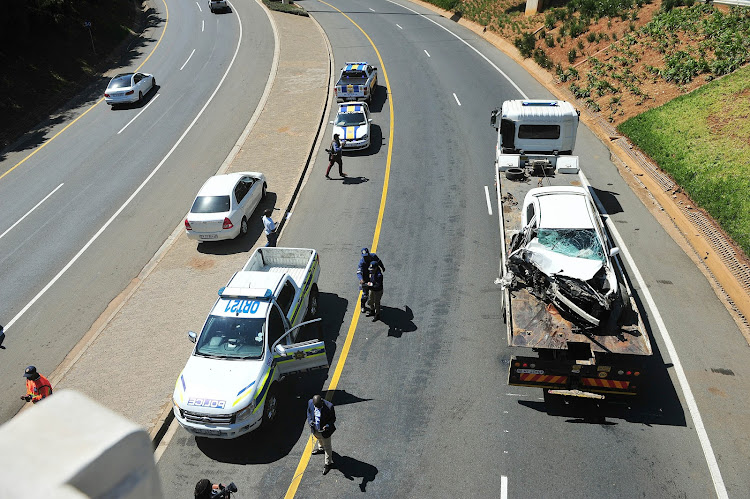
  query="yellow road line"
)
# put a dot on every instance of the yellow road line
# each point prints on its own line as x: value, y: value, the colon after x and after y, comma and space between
x: 305, y: 459
x: 166, y: 22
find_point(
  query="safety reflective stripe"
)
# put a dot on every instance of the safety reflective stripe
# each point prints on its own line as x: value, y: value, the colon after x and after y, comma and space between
x: 606, y: 383
x: 262, y: 394
x: 291, y: 358
x: 543, y: 378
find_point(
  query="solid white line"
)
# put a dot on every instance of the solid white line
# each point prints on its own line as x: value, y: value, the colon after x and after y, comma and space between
x: 467, y: 44
x: 191, y: 55
x: 456, y: 97
x: 399, y: 27
x: 29, y: 212
x: 503, y: 487
x: 136, y: 116
x: 428, y: 54
x: 713, y: 465
x: 487, y: 195
x: 138, y: 190
x: 199, y: 6
x: 203, y: 25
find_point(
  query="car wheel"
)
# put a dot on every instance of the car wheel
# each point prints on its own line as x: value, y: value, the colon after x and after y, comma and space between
x: 140, y: 97
x: 153, y: 82
x: 271, y: 407
x: 265, y: 191
x: 514, y: 174
x: 243, y: 227
x: 312, y: 304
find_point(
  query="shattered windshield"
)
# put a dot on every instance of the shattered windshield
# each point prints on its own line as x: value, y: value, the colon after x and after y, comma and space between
x: 577, y: 243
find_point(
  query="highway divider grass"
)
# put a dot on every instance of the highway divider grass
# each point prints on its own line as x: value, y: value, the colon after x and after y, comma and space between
x: 702, y: 139
x: 289, y: 8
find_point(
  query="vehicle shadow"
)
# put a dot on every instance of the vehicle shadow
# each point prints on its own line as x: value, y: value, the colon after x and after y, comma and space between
x: 30, y: 130
x: 376, y: 143
x: 353, y: 468
x: 609, y: 200
x: 255, y: 232
x: 379, y: 97
x: 142, y: 103
x: 398, y: 321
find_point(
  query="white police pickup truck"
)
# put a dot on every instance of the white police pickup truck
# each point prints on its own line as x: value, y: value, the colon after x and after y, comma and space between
x: 248, y: 344
x: 357, y: 81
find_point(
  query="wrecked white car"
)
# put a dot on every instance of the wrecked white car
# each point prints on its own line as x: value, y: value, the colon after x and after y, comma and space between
x: 562, y: 255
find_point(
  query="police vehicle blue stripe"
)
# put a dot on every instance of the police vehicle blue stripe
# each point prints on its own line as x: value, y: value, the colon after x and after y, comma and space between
x: 183, y: 382
x: 265, y: 387
x: 248, y: 386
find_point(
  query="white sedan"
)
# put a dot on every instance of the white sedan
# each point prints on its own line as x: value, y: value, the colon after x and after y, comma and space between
x: 352, y: 124
x: 128, y: 88
x: 223, y: 206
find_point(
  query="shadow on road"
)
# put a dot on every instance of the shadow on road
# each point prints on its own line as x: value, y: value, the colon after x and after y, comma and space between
x: 353, y: 468
x: 398, y: 321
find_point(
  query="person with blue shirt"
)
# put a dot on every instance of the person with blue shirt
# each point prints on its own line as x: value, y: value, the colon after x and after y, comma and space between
x: 335, y: 154
x: 363, y: 273
x: 320, y: 417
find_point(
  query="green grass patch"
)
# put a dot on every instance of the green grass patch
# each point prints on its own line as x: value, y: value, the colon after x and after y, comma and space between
x: 289, y: 8
x: 702, y: 139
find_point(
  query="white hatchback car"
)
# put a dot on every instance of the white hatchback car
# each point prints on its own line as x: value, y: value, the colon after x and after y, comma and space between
x: 223, y: 205
x: 128, y: 88
x: 352, y: 124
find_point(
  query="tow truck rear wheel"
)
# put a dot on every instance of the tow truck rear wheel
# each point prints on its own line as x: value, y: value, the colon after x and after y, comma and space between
x: 271, y: 407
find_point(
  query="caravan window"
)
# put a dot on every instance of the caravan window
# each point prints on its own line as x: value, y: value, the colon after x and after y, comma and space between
x: 539, y: 132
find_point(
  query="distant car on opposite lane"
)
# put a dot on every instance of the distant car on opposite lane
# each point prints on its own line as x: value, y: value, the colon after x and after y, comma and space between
x: 224, y: 204
x: 352, y: 124
x: 127, y: 88
x: 215, y: 5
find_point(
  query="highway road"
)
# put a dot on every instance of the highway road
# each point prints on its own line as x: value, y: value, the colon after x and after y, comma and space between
x: 423, y: 405
x: 83, y: 213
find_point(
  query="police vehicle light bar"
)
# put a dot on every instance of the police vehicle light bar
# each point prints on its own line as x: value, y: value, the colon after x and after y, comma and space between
x: 229, y: 292
x: 545, y: 103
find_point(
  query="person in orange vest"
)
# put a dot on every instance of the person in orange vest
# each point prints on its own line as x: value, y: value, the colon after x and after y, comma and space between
x: 37, y: 386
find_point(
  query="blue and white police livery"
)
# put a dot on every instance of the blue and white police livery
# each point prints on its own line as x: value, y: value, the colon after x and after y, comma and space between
x: 248, y: 344
x: 352, y: 124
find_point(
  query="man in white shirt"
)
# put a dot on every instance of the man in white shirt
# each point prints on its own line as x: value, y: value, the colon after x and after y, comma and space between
x: 269, y: 227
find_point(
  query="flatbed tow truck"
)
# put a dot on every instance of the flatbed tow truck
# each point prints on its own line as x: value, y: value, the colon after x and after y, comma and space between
x: 584, y: 336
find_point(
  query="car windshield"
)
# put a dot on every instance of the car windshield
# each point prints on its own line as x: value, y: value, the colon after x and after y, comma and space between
x: 578, y: 243
x: 350, y: 119
x: 231, y: 337
x: 210, y: 204
x: 120, y: 81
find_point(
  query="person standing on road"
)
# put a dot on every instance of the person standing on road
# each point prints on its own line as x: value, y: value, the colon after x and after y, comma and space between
x: 335, y: 154
x: 37, y: 386
x: 320, y: 416
x: 363, y: 273
x: 375, y: 290
x: 269, y: 227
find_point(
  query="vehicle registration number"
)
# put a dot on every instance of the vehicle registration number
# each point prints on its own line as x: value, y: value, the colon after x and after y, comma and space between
x: 203, y: 431
x: 209, y: 236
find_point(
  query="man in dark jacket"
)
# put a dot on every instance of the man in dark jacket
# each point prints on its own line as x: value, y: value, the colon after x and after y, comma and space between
x: 320, y: 416
x: 363, y: 273
x: 375, y: 290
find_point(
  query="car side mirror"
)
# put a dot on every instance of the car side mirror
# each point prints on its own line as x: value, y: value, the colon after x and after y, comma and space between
x: 369, y: 120
x: 193, y: 337
x: 331, y: 122
x: 614, y: 251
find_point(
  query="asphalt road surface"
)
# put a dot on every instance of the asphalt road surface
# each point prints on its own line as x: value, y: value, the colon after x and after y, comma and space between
x: 423, y: 405
x: 56, y: 202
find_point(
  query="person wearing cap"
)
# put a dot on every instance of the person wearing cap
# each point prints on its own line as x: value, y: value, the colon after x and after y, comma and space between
x: 363, y: 273
x: 37, y: 386
x: 335, y: 154
x: 320, y: 417
x: 375, y: 290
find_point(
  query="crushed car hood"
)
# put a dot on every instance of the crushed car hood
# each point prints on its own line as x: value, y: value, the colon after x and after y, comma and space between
x: 552, y: 263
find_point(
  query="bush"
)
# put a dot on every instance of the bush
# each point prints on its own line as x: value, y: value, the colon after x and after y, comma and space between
x: 549, y: 40
x: 572, y: 54
x: 445, y: 4
x: 540, y: 57
x: 591, y: 37
x: 526, y: 43
x: 288, y: 8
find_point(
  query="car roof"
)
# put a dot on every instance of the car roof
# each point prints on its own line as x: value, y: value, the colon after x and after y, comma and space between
x: 356, y: 66
x: 122, y: 75
x: 563, y: 208
x: 220, y: 185
x: 352, y: 107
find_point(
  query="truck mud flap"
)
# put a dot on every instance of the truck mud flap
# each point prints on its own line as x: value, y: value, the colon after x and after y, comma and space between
x: 569, y: 378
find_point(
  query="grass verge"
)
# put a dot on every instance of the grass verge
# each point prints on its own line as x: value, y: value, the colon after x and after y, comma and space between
x: 289, y: 8
x: 702, y: 140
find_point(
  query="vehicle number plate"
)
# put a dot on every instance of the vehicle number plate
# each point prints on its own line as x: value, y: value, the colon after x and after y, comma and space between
x: 209, y: 236
x: 203, y: 431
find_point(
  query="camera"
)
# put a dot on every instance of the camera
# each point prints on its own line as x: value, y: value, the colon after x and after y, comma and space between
x: 224, y: 492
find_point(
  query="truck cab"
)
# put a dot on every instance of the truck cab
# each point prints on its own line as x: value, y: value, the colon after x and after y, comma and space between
x: 247, y: 346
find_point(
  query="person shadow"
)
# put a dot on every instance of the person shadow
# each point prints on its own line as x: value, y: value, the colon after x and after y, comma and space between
x: 353, y: 468
x: 398, y: 321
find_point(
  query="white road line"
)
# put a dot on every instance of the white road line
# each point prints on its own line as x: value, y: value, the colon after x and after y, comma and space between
x: 399, y: 27
x: 191, y: 55
x: 456, y: 97
x: 371, y: 9
x: 135, y: 193
x: 136, y: 116
x: 467, y: 44
x: 29, y: 212
x: 203, y: 25
x: 428, y: 54
x: 503, y: 487
x: 713, y: 465
x: 199, y: 6
x: 487, y: 195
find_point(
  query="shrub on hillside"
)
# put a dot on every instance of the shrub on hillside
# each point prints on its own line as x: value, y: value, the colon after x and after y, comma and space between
x: 526, y: 43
